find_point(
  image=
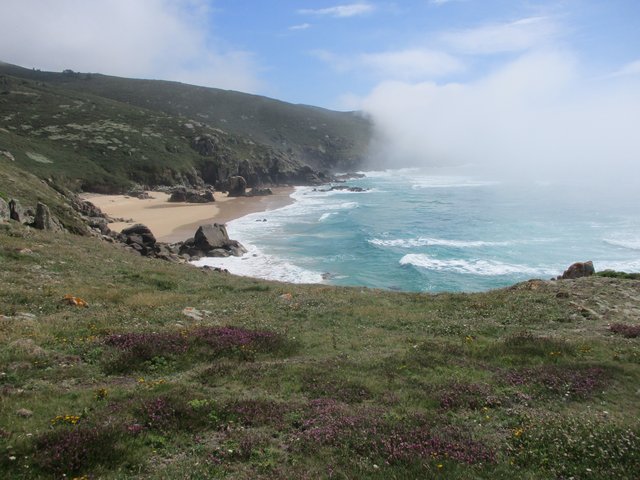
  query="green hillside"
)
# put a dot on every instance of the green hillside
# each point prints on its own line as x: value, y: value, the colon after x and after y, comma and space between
x: 104, y: 132
x: 119, y: 366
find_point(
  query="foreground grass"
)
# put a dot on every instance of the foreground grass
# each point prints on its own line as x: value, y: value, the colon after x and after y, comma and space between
x: 273, y: 380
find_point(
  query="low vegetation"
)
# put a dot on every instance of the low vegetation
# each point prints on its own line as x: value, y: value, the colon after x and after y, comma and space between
x: 536, y: 381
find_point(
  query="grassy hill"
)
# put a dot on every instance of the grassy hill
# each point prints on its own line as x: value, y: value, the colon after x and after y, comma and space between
x: 171, y: 372
x: 102, y: 133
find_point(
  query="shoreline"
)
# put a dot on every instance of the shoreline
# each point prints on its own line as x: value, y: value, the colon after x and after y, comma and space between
x: 175, y: 222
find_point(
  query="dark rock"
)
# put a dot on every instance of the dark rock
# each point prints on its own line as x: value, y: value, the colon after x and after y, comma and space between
x: 5, y: 213
x: 15, y: 211
x: 237, y: 186
x: 578, y: 269
x: 260, y: 192
x: 183, y: 194
x: 141, y: 194
x: 211, y: 241
x: 86, y: 208
x: 348, y: 188
x: 211, y: 236
x: 140, y: 238
x: 348, y: 176
x: 99, y: 223
x: 44, y: 220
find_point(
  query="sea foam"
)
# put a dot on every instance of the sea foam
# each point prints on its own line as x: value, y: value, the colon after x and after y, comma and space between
x: 430, y: 242
x: 473, y: 267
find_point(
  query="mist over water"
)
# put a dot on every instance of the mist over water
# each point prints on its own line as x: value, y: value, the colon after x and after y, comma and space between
x: 427, y: 230
x: 538, y: 117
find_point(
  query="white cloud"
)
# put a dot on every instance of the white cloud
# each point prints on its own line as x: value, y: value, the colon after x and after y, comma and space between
x: 149, y: 39
x: 411, y: 64
x: 514, y: 36
x: 340, y: 11
x: 534, y: 118
x: 302, y: 26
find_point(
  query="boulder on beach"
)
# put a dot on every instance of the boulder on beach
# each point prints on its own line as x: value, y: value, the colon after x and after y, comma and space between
x: 190, y: 195
x: 237, y: 186
x: 212, y: 241
x: 578, y: 269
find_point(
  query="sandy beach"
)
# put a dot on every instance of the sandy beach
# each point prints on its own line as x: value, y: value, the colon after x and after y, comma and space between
x: 174, y: 222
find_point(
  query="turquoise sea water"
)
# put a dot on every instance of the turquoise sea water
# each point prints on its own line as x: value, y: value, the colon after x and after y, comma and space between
x: 418, y: 231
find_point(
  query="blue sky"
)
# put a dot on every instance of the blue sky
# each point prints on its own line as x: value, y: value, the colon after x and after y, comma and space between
x: 535, y: 87
x: 326, y: 53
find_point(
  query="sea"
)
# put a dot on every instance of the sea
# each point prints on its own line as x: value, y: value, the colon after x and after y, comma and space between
x: 423, y: 231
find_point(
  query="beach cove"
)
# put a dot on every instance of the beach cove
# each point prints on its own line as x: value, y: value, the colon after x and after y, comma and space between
x: 176, y: 221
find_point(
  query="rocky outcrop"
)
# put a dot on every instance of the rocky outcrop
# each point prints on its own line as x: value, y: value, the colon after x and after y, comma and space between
x: 5, y: 213
x: 577, y: 270
x: 139, y: 238
x: 141, y: 194
x: 190, y: 195
x: 44, y: 220
x: 347, y: 188
x: 16, y: 212
x: 205, y: 145
x: 212, y: 241
x: 259, y: 192
x: 237, y: 186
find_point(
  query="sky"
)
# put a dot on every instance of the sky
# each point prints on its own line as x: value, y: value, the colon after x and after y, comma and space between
x: 445, y: 79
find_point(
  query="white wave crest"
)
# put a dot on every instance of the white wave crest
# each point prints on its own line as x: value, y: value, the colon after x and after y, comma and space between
x: 474, y: 267
x: 629, y: 243
x: 325, y: 216
x: 430, y: 242
x: 632, y: 266
x: 256, y: 264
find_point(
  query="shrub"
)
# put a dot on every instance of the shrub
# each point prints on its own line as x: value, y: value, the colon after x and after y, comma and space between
x: 229, y: 341
x: 70, y: 451
x: 467, y: 395
x: 627, y: 331
x: 560, y: 380
x: 134, y: 349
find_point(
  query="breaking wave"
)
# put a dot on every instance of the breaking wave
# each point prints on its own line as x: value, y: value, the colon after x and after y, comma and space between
x: 473, y: 267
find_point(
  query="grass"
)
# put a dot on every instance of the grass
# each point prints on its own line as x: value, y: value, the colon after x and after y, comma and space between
x: 329, y: 383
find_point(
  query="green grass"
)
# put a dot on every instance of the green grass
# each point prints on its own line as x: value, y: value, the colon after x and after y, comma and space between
x: 347, y: 382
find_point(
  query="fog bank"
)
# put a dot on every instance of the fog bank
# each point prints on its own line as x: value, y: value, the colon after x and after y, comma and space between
x: 538, y: 117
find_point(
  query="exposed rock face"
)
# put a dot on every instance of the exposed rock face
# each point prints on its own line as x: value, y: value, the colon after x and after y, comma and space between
x: 579, y: 269
x: 237, y: 186
x: 44, y: 220
x: 212, y: 241
x: 140, y: 238
x: 183, y: 194
x: 5, y: 213
x: 205, y: 145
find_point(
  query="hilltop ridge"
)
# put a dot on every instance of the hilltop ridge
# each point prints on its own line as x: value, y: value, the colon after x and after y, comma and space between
x: 103, y: 133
